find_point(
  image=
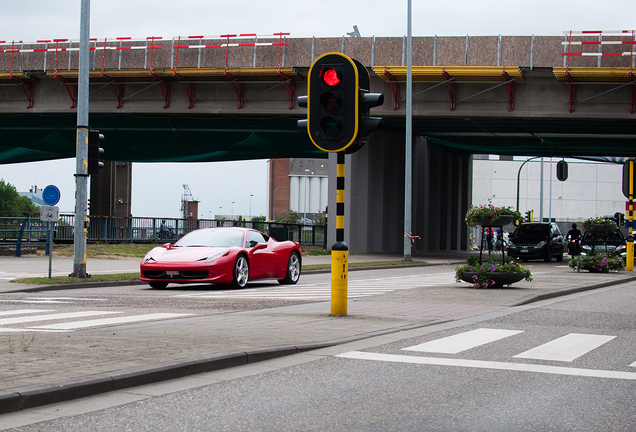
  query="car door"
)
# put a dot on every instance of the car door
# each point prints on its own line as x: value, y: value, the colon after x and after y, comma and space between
x: 262, y: 258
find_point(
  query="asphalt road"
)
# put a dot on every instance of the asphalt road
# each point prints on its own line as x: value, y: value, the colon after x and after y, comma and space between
x: 498, y: 372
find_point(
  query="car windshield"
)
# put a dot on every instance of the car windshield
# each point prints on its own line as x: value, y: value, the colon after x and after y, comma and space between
x: 214, y: 237
x: 610, y: 237
x: 531, y: 230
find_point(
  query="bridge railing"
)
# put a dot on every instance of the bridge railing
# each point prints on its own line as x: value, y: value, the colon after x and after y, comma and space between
x: 104, y: 229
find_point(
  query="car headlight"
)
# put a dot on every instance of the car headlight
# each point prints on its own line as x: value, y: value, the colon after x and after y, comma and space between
x: 216, y: 255
x: 541, y: 244
x: 147, y: 258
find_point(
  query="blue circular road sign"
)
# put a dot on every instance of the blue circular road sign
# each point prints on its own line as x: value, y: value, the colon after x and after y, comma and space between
x: 51, y: 195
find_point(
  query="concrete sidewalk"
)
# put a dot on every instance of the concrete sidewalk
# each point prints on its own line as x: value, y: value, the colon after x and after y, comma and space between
x: 64, y: 366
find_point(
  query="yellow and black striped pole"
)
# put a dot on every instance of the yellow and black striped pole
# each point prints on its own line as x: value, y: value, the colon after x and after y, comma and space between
x: 629, y: 264
x: 340, y: 250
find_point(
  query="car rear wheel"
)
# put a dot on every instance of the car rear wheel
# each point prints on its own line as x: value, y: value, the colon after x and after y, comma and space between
x: 158, y: 285
x: 241, y: 272
x: 293, y: 270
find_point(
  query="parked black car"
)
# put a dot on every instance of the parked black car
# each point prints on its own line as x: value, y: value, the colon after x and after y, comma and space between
x: 605, y: 242
x: 536, y: 240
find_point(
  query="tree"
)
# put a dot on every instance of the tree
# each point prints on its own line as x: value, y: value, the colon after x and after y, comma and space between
x: 288, y: 217
x: 12, y: 204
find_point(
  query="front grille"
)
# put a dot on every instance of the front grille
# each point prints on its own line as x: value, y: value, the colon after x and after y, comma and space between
x: 160, y: 274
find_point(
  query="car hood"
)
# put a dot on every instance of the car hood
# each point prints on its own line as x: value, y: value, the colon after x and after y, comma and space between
x: 185, y: 254
x: 529, y: 240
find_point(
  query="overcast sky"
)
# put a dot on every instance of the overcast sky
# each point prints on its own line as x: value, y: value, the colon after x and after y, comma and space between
x: 157, y: 188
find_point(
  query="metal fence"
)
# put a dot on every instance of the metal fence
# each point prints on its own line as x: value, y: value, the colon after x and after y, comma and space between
x: 104, y: 229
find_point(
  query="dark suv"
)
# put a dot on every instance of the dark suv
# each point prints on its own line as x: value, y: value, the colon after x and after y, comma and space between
x: 603, y: 243
x: 536, y: 240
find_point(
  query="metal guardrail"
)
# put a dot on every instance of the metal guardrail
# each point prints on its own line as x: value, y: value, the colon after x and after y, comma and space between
x: 104, y: 229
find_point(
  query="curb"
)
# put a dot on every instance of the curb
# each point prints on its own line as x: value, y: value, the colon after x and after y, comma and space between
x: 44, y: 394
x: 565, y: 291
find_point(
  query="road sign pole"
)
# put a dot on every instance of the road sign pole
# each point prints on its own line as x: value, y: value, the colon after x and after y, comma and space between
x: 50, y: 247
x: 340, y: 250
x: 629, y: 265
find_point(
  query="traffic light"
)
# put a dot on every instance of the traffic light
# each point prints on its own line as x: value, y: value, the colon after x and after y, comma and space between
x: 94, y: 151
x: 529, y: 216
x: 562, y: 170
x: 332, y: 102
x: 366, y: 101
x: 338, y: 104
x: 620, y: 218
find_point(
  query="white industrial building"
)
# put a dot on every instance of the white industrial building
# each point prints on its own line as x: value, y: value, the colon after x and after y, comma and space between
x: 591, y: 189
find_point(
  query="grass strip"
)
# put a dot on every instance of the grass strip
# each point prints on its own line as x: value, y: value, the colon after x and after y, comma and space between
x: 72, y: 280
x: 118, y: 277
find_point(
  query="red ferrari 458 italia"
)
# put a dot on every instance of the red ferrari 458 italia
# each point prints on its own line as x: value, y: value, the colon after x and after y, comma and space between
x: 222, y: 255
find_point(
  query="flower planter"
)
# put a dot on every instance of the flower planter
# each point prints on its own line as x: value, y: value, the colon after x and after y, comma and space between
x: 500, y: 278
x: 500, y: 221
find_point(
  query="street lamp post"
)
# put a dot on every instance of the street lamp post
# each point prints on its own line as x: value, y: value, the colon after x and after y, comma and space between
x: 250, y: 215
x: 305, y: 212
x: 233, y: 210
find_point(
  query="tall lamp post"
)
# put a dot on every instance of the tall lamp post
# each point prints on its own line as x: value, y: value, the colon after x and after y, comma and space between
x: 305, y: 212
x: 251, y: 207
x: 233, y: 210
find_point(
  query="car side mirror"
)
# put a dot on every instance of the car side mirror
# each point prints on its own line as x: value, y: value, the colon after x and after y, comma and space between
x: 259, y: 246
x: 167, y: 245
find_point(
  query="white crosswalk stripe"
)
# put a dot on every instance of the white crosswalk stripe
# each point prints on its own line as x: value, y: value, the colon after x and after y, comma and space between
x: 463, y: 341
x: 322, y: 291
x: 8, y: 319
x: 566, y: 348
x: 562, y: 349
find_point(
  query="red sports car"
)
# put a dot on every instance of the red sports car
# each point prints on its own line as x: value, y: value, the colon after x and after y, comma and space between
x: 222, y: 255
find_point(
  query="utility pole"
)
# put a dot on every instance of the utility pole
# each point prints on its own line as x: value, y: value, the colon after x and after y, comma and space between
x: 81, y: 151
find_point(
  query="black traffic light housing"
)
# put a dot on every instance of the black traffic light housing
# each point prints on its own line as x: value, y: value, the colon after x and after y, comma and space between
x: 529, y: 216
x: 94, y: 151
x: 338, y: 104
x: 562, y: 170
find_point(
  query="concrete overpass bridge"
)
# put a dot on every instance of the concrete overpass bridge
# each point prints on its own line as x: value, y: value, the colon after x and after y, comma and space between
x: 232, y: 97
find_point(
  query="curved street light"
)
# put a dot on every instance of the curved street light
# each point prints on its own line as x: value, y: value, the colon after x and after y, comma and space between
x: 519, y: 177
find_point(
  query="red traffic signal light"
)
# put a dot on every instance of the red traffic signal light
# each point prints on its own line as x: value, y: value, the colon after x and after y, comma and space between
x: 332, y: 102
x: 330, y: 76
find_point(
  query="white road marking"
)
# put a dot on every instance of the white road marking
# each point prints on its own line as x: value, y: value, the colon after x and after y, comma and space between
x: 566, y: 348
x: 108, y: 321
x: 68, y: 298
x: 478, y: 364
x: 24, y: 311
x: 322, y: 291
x: 463, y: 341
x: 18, y: 320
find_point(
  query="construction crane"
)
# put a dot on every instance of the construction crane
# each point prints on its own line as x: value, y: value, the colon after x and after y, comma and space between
x: 185, y: 199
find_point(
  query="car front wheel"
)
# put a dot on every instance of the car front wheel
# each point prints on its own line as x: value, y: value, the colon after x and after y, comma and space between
x: 241, y: 272
x: 293, y: 270
x: 559, y: 257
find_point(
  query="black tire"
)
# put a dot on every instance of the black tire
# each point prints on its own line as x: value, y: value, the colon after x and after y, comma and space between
x: 559, y: 257
x: 158, y: 285
x: 241, y: 272
x: 293, y: 270
x: 548, y: 256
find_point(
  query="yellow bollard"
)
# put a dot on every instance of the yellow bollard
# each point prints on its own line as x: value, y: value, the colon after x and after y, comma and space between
x: 339, y: 275
x: 629, y: 264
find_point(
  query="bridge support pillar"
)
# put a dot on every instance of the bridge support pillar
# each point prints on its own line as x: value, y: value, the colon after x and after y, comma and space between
x: 111, y: 190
